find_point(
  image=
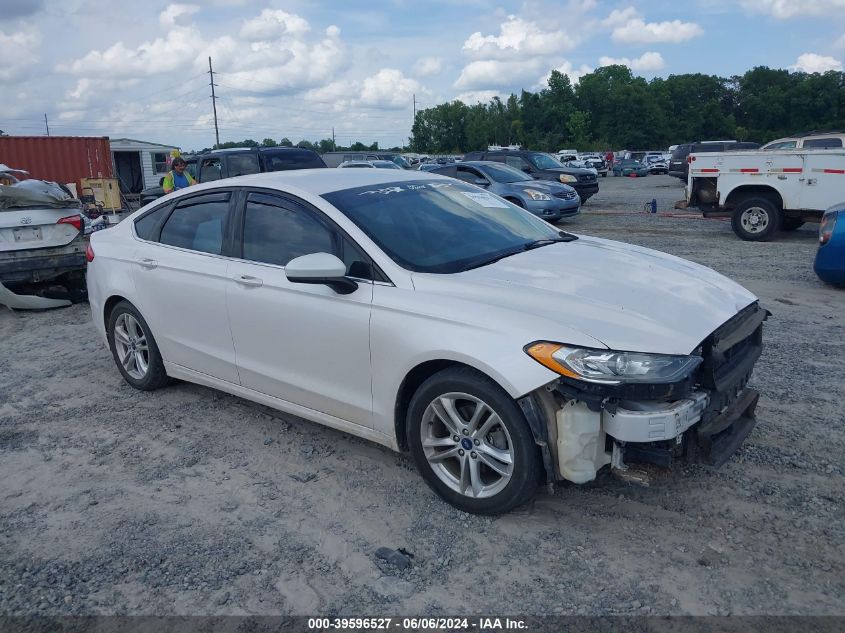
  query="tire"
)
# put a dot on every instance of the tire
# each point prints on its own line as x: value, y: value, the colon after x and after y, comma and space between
x: 791, y: 224
x: 465, y: 473
x: 140, y: 365
x: 756, y: 219
x: 604, y: 175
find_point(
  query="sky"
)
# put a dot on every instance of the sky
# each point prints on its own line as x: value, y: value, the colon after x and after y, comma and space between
x: 299, y: 68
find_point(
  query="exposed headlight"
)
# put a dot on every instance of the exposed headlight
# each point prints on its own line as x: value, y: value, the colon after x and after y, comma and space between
x: 537, y: 195
x: 610, y: 367
x: 567, y: 178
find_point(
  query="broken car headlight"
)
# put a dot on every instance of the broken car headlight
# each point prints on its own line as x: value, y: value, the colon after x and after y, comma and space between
x: 610, y: 367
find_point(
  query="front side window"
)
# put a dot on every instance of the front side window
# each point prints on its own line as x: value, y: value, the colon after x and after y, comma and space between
x: 517, y: 162
x: 440, y: 226
x: 198, y: 224
x: 276, y: 231
x: 291, y: 159
x: 243, y: 164
x: 211, y: 169
x: 468, y: 174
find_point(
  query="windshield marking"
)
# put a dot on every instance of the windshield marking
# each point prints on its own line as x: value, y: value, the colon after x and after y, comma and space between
x: 485, y: 199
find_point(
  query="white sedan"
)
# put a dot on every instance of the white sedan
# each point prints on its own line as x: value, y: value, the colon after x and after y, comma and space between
x: 428, y: 315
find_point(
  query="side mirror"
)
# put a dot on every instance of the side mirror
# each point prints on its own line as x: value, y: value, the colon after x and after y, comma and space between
x: 320, y: 268
x: 481, y: 182
x: 527, y: 169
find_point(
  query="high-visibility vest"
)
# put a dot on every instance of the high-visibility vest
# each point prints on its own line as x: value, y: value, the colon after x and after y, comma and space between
x: 169, y: 185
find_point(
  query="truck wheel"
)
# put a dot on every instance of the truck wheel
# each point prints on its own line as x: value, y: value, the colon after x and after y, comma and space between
x: 756, y: 219
x: 791, y: 224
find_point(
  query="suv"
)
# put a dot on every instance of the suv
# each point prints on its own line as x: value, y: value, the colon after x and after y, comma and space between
x: 679, y: 165
x: 809, y: 140
x: 542, y: 166
x: 239, y: 161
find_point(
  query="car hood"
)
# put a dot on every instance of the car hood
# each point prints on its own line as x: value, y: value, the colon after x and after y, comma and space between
x: 546, y: 186
x: 628, y: 297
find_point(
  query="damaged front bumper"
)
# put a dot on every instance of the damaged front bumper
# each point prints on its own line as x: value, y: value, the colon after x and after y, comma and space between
x: 703, y: 419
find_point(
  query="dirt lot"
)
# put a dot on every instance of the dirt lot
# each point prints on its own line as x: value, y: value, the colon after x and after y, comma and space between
x: 188, y: 501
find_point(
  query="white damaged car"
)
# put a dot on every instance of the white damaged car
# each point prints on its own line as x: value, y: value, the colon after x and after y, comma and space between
x: 431, y: 316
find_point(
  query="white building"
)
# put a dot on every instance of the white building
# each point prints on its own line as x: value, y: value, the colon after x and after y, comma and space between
x: 139, y: 164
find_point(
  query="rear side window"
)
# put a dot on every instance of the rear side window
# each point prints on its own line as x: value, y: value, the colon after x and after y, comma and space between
x: 243, y: 164
x: 147, y: 226
x: 198, y: 224
x: 282, y: 161
x: 823, y: 143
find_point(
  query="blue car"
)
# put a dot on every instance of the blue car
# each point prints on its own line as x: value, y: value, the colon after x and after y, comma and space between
x: 544, y: 198
x: 830, y: 258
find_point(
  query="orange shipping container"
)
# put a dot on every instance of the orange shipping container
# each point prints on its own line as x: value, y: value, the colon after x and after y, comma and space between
x: 61, y: 159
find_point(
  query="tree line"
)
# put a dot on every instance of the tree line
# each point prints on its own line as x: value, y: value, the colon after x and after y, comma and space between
x: 610, y: 108
x: 322, y: 146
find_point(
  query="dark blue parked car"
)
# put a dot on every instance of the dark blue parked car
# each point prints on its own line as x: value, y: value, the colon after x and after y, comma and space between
x: 544, y: 198
x: 830, y: 258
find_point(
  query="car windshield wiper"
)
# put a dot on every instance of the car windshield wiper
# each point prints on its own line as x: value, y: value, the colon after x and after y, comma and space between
x: 563, y: 237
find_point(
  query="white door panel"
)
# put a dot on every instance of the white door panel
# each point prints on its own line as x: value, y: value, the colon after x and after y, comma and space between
x: 182, y: 296
x: 823, y: 181
x: 302, y: 343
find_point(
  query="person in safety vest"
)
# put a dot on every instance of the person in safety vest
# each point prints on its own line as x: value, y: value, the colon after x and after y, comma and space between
x: 177, y: 178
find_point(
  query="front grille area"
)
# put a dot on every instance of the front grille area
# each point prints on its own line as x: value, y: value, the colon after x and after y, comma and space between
x: 587, y: 178
x: 566, y: 195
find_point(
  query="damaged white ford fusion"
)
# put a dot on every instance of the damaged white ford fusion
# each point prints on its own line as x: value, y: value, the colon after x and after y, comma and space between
x: 430, y: 316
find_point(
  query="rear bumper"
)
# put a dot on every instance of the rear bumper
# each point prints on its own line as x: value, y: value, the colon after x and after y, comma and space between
x: 33, y: 266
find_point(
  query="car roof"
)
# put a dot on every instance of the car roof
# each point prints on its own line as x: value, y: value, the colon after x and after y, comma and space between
x: 317, y: 181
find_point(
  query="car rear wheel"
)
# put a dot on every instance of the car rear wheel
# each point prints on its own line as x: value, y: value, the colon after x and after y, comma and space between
x: 471, y: 443
x: 756, y: 219
x: 134, y: 349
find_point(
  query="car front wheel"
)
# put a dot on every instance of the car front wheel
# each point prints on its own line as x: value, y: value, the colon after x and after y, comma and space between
x: 471, y: 443
x: 134, y: 349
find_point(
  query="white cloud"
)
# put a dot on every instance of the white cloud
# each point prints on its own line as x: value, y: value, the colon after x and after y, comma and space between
x: 647, y: 62
x: 491, y: 73
x: 813, y: 63
x: 388, y: 88
x: 22, y: 47
x: 519, y: 37
x: 271, y: 24
x: 785, y: 9
x: 619, y: 17
x: 637, y: 31
x: 478, y: 96
x: 428, y: 66
x: 567, y: 69
x: 176, y: 13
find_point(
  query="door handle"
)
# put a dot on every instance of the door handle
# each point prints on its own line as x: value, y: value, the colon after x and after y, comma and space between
x: 148, y: 263
x: 247, y: 280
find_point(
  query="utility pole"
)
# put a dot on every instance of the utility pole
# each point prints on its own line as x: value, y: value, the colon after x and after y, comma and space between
x: 213, y: 102
x: 47, y: 125
x: 415, y: 106
x: 334, y: 147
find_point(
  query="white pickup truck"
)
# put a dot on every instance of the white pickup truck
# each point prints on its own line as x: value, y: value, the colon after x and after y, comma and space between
x: 766, y: 191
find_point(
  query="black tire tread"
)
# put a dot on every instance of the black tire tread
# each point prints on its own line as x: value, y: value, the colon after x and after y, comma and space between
x: 525, y: 480
x: 771, y: 230
x: 156, y: 377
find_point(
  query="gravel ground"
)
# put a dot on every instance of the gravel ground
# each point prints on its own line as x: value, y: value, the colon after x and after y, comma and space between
x: 187, y: 501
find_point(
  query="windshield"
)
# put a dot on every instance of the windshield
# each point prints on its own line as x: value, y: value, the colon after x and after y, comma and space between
x: 544, y: 161
x: 438, y: 226
x: 503, y: 173
x: 399, y: 160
